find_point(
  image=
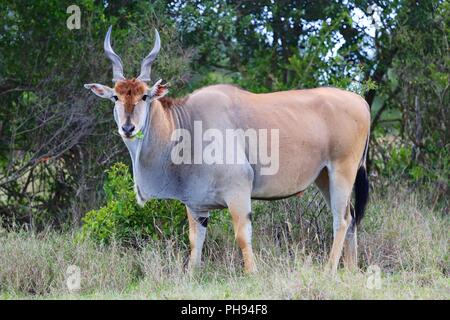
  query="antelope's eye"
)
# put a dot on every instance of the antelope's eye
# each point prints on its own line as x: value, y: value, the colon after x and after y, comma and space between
x: 115, y: 98
x: 144, y: 97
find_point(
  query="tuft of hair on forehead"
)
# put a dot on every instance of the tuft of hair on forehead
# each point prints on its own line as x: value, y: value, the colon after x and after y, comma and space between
x: 132, y: 87
x: 130, y: 90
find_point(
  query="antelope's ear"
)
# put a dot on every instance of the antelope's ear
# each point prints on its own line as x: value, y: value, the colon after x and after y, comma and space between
x: 158, y: 90
x: 100, y: 90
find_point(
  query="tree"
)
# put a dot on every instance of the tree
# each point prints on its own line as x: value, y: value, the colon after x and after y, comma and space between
x: 56, y: 140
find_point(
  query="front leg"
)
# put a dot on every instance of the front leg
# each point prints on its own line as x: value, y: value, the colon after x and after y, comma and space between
x: 198, y: 222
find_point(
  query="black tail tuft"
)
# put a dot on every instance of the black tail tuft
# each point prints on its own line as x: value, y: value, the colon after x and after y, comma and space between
x: 361, y: 193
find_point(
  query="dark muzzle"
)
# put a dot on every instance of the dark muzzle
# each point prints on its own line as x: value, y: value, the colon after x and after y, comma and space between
x: 128, y: 129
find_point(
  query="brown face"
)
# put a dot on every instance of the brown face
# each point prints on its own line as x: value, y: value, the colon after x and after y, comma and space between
x: 130, y: 96
x: 130, y: 92
x: 132, y: 99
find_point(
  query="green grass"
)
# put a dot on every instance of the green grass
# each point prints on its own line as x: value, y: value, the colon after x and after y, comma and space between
x: 401, y: 235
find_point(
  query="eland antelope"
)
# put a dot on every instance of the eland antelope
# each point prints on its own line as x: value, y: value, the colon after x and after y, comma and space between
x: 322, y: 138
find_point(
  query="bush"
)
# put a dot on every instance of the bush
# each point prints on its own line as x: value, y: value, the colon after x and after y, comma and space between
x: 123, y: 220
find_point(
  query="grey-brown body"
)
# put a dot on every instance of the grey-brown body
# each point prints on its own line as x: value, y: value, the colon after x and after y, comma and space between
x: 322, y: 139
x: 322, y: 134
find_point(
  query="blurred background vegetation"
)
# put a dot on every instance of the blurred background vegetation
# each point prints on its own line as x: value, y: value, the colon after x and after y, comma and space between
x: 57, y: 140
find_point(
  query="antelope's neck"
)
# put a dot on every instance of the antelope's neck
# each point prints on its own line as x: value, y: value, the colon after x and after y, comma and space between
x: 162, y: 122
x: 151, y: 155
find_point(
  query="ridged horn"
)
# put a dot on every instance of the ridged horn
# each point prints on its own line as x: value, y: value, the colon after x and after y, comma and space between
x: 146, y: 66
x: 115, y: 59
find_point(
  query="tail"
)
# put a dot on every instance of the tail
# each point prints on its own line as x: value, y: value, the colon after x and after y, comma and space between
x: 361, y: 188
x: 361, y: 194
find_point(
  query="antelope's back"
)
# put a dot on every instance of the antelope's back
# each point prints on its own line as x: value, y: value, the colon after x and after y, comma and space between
x: 316, y: 127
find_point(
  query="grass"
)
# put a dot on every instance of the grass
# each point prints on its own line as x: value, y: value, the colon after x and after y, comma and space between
x: 401, y: 235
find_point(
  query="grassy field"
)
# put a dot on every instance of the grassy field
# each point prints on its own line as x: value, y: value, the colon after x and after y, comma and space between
x: 402, y: 236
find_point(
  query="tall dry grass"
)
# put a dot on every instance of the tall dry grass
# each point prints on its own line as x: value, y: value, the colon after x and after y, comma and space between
x: 401, y: 234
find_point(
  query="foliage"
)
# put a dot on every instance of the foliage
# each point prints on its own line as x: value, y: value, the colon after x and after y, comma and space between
x: 410, y: 124
x: 55, y: 137
x: 122, y: 220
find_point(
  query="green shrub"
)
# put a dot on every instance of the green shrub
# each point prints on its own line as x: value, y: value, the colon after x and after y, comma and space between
x: 123, y: 220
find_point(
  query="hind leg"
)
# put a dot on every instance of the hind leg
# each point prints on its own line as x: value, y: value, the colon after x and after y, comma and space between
x: 351, y: 246
x: 361, y: 197
x: 341, y: 176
